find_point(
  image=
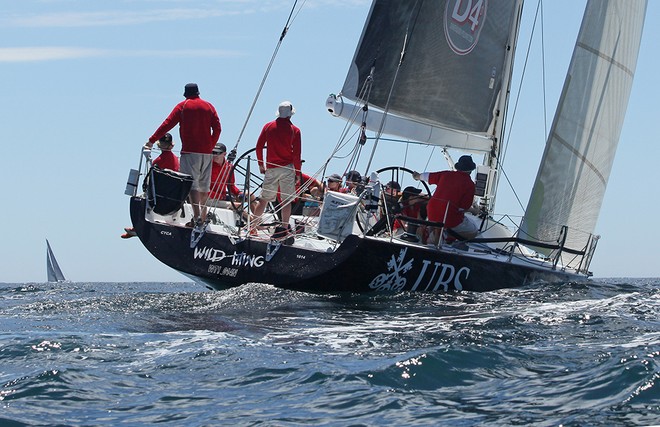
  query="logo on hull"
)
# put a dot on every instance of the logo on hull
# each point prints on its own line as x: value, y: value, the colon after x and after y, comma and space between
x: 238, y: 259
x: 432, y: 277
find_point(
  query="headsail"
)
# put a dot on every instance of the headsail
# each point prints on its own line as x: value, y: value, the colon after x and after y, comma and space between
x: 52, y: 267
x: 453, y: 57
x: 578, y: 157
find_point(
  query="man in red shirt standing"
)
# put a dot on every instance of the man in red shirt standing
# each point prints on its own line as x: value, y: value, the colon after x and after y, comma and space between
x: 199, y: 128
x: 453, y: 195
x: 282, y: 142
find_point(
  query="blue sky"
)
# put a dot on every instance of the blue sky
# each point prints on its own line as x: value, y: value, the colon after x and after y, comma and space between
x: 85, y: 83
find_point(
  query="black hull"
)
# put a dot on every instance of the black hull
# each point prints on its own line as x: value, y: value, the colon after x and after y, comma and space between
x: 358, y: 265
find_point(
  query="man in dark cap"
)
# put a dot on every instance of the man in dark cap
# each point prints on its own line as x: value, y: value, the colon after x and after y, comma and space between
x: 199, y: 128
x: 393, y: 188
x: 333, y: 182
x: 223, y: 182
x: 412, y: 205
x: 167, y: 159
x: 453, y: 195
x: 353, y: 182
x: 391, y: 195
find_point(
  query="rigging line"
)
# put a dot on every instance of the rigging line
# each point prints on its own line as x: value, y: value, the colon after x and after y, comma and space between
x: 335, y: 154
x: 409, y: 31
x: 361, y: 140
x: 522, y: 77
x: 500, y: 168
x: 545, y: 103
x: 428, y: 161
x: 232, y: 155
x: 344, y: 139
x: 405, y: 156
x: 500, y: 161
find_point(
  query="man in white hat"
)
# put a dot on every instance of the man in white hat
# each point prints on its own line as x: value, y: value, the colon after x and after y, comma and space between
x: 281, y: 168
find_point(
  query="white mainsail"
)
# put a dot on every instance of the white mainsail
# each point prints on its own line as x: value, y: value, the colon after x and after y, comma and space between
x: 52, y: 267
x: 437, y: 69
x: 579, y: 153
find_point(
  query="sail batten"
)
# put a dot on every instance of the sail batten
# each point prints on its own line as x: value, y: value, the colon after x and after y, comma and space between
x: 576, y: 164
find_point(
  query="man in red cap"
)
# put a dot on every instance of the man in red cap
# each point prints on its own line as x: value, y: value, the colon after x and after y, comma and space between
x: 199, y: 128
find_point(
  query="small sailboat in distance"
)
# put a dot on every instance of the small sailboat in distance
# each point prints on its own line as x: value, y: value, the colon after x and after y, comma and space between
x: 52, y: 267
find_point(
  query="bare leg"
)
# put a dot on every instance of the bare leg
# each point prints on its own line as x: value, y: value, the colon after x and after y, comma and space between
x: 434, y: 236
x: 421, y: 233
x: 286, y: 214
x: 203, y: 197
x: 194, y: 201
x: 198, y: 201
x: 260, y: 208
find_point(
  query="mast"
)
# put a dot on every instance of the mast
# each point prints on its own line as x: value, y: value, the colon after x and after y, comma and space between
x: 493, y: 157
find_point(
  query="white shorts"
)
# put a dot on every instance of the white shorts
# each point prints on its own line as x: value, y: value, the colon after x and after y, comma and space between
x: 198, y: 166
x: 282, y: 179
x: 467, y: 229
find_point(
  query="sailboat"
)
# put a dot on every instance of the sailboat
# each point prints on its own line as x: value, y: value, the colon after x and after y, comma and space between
x: 436, y: 73
x: 53, y: 270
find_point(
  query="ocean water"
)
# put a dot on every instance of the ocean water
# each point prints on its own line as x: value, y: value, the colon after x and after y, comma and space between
x: 177, y: 354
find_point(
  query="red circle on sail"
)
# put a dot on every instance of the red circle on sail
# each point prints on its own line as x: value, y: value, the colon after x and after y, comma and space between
x: 463, y: 22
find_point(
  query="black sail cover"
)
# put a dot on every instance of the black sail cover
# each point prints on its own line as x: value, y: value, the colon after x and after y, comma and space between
x: 452, y: 70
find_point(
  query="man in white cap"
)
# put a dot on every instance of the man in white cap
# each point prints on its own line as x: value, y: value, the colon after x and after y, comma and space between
x: 281, y: 170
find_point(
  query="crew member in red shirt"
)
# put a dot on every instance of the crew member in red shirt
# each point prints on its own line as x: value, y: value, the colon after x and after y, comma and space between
x: 309, y: 189
x: 453, y: 195
x: 353, y: 181
x: 334, y: 183
x: 412, y: 205
x: 199, y: 128
x: 167, y: 159
x: 223, y: 182
x: 281, y: 170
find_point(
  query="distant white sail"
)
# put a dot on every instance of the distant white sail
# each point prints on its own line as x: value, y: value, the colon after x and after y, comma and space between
x: 52, y: 267
x: 577, y: 161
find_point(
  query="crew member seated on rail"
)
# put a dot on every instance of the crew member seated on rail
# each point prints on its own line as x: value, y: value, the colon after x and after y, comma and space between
x: 223, y: 181
x: 166, y: 160
x: 412, y: 204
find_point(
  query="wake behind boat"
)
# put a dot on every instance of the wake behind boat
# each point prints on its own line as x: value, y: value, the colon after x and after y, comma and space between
x: 451, y: 91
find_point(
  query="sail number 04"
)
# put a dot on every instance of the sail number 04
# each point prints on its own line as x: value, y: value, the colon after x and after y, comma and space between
x: 465, y: 11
